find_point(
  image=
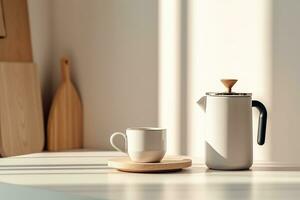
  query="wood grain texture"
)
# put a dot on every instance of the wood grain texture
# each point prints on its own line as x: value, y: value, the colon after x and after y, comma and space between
x: 229, y: 83
x: 167, y: 164
x: 2, y: 24
x: 16, y: 45
x: 21, y: 117
x: 65, y: 122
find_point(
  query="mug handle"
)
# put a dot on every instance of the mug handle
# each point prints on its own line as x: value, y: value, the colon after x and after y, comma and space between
x: 115, y: 146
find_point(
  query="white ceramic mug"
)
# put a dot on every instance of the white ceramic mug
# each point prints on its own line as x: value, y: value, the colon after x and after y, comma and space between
x: 143, y: 144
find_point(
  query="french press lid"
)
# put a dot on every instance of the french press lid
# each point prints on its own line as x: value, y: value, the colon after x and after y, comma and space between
x: 228, y: 83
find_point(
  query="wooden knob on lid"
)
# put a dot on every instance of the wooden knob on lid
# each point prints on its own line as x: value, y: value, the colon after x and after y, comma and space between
x: 229, y: 83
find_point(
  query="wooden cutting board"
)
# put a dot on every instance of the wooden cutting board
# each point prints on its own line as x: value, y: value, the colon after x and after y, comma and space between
x: 65, y: 122
x: 15, y: 45
x: 21, y: 117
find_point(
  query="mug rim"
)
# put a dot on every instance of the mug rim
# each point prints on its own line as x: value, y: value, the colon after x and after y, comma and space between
x: 146, y: 129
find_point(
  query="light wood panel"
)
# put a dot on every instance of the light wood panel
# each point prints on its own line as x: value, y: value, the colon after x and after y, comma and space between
x: 21, y: 117
x: 2, y: 25
x: 16, y: 45
x: 167, y: 164
x: 65, y: 122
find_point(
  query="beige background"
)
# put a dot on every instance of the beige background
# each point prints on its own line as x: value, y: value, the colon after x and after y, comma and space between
x: 113, y: 49
x: 146, y: 63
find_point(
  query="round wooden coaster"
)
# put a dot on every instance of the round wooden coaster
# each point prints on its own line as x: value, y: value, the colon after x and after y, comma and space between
x: 166, y: 165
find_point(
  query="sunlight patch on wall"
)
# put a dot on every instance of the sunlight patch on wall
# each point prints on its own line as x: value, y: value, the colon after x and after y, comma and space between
x: 224, y: 39
x: 169, y: 72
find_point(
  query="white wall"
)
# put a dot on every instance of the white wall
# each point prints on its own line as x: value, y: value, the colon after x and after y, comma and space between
x: 129, y: 76
x: 232, y: 41
x: 258, y: 43
x: 113, y: 47
x: 285, y: 134
x: 41, y: 38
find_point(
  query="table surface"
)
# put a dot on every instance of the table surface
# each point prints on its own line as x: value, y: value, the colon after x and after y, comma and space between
x: 87, y: 174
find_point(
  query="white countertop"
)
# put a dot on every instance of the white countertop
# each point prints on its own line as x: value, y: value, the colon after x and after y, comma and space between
x: 86, y: 173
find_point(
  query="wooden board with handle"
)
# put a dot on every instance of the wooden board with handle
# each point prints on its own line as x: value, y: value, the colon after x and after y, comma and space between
x: 65, y: 122
x: 15, y: 45
x: 21, y: 115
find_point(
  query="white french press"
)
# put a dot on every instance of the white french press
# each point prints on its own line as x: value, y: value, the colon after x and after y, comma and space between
x: 228, y: 138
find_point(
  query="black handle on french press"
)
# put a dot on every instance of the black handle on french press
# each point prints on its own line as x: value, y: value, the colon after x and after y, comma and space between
x: 262, y: 122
